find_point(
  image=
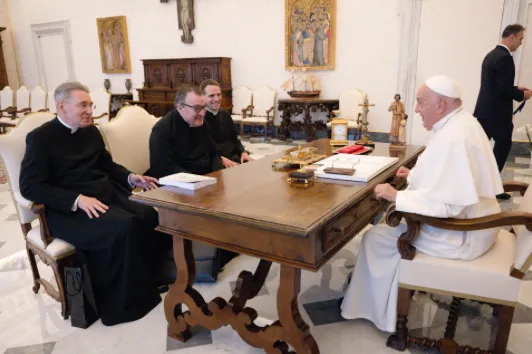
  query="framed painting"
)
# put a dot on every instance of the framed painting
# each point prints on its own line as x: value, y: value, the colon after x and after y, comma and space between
x: 310, y: 34
x: 114, y: 45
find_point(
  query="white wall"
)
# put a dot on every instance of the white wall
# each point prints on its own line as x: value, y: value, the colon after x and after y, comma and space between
x: 525, y: 76
x: 455, y: 36
x: 249, y: 31
x: 7, y: 45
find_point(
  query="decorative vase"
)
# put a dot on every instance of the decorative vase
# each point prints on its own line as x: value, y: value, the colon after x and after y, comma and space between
x: 128, y: 85
x: 107, y: 84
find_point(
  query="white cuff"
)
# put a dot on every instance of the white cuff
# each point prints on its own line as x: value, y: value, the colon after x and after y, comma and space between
x: 75, y: 205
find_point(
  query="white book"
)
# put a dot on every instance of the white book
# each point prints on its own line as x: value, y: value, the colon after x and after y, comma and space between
x: 187, y: 181
x: 366, y: 167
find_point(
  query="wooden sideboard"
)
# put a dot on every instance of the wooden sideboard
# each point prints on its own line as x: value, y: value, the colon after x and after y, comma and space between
x: 162, y: 78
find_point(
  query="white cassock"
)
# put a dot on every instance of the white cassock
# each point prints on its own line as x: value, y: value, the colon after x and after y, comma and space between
x: 456, y: 176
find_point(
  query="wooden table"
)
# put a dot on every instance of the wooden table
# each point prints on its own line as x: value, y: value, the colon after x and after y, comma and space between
x: 254, y: 211
x: 296, y: 106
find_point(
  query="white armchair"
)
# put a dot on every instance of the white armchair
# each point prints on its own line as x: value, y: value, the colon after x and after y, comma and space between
x: 349, y: 107
x: 262, y: 110
x: 242, y: 97
x: 128, y: 138
x: 493, y: 278
x: 54, y: 252
x: 102, y: 106
x: 38, y: 100
x: 23, y: 102
x: 7, y: 108
x: 50, y: 102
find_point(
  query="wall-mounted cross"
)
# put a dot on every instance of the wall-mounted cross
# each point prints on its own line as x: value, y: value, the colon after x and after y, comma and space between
x: 185, y: 19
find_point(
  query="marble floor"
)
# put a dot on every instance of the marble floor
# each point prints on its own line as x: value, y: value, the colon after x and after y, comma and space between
x: 32, y: 324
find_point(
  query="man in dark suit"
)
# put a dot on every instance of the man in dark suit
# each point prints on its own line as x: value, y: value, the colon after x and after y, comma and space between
x: 494, y: 108
x: 67, y: 168
x: 222, y: 126
x: 180, y: 142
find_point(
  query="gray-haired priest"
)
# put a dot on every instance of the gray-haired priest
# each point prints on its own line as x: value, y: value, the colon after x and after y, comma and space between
x: 455, y: 177
x: 67, y: 168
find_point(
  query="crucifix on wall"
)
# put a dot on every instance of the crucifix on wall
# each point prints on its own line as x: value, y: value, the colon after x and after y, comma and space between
x: 185, y: 19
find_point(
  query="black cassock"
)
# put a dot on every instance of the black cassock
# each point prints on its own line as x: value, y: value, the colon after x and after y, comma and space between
x: 176, y: 147
x: 120, y: 247
x: 224, y: 135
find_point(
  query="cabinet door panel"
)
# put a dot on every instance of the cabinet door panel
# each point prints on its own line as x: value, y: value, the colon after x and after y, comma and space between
x: 180, y: 73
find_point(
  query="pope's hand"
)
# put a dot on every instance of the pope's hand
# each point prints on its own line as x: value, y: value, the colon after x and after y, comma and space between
x: 385, y: 191
x: 144, y: 182
x: 403, y: 172
x: 91, y: 206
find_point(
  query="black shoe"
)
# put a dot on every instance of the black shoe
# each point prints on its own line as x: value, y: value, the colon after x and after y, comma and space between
x: 503, y: 196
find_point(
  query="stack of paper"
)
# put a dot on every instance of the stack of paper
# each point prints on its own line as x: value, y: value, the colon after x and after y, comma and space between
x: 366, y: 167
x: 187, y: 180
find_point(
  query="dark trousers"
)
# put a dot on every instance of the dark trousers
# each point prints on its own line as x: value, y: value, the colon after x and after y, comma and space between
x: 502, y: 135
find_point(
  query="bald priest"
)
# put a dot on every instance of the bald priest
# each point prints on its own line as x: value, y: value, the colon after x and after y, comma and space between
x: 456, y: 176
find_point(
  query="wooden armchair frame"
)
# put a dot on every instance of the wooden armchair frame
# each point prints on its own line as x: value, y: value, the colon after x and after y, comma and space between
x: 269, y: 119
x: 448, y: 345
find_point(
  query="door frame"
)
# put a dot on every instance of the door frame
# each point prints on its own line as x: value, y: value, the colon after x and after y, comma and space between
x: 61, y: 28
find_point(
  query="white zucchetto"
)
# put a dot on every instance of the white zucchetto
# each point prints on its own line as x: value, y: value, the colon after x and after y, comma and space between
x: 444, y: 85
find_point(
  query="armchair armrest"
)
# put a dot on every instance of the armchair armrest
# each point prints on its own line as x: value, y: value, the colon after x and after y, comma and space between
x: 24, y: 110
x: 248, y: 108
x: 46, y: 237
x: 414, y: 222
x: 23, y: 202
x: 100, y: 116
x: 268, y: 113
x: 515, y: 186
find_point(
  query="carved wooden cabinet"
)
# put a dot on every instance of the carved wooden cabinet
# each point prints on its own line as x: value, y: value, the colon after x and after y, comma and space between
x: 162, y: 77
x: 3, y: 70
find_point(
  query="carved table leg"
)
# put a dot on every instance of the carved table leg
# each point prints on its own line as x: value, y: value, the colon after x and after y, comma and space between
x: 296, y: 331
x: 284, y: 129
x: 447, y: 344
x: 178, y: 328
x: 310, y: 130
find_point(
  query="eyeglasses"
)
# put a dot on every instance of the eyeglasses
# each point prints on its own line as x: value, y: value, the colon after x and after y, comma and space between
x: 197, y: 109
x: 83, y: 105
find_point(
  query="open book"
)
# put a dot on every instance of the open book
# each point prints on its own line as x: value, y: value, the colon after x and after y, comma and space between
x: 366, y: 167
x: 187, y: 180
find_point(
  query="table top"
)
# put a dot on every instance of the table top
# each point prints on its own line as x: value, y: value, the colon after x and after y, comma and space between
x: 259, y: 196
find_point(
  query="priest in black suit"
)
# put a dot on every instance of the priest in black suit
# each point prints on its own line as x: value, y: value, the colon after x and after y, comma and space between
x: 180, y: 142
x: 222, y: 126
x: 494, y: 108
x: 67, y: 168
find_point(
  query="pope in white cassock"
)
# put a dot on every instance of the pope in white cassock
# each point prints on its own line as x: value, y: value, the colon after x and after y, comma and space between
x: 455, y: 177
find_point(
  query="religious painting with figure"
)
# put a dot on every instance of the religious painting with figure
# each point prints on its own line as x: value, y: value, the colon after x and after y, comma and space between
x: 114, y: 45
x: 310, y: 36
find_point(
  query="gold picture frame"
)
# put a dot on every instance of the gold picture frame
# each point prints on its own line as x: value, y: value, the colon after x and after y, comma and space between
x: 114, y: 44
x: 307, y: 23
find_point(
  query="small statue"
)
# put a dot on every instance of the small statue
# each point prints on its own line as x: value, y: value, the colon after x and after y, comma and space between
x: 398, y: 110
x: 402, y: 131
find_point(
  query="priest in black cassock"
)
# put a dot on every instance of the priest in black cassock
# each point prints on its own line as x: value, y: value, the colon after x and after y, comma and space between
x: 67, y: 168
x: 180, y: 142
x: 222, y: 126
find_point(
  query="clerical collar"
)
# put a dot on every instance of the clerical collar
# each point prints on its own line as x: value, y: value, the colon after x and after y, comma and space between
x: 508, y: 49
x: 72, y: 130
x: 213, y: 112
x: 441, y: 123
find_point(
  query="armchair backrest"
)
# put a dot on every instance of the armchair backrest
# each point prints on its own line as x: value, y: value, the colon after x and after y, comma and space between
x: 38, y: 99
x: 523, y: 246
x: 102, y: 105
x: 242, y: 96
x: 23, y: 99
x: 50, y: 102
x: 128, y: 138
x: 263, y: 101
x: 12, y: 149
x: 349, y: 103
x: 6, y: 98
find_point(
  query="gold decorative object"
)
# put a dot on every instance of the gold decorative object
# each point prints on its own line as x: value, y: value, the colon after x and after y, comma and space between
x: 339, y: 131
x: 310, y: 34
x: 363, y: 121
x: 301, y: 157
